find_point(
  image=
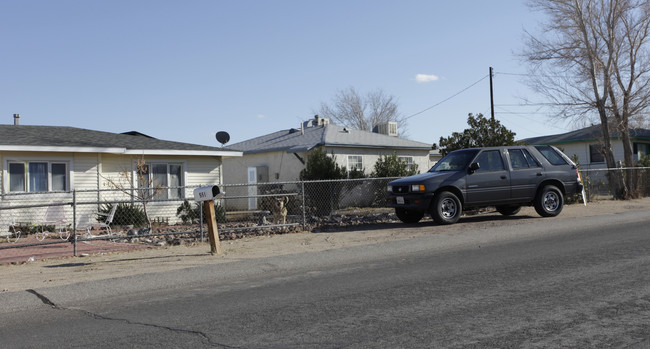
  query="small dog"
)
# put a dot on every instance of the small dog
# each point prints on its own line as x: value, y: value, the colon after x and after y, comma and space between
x: 279, y: 209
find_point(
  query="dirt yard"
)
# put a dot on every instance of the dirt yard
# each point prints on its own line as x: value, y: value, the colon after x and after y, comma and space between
x: 69, y: 270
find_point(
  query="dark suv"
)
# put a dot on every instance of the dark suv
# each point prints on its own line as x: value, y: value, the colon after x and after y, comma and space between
x: 505, y: 177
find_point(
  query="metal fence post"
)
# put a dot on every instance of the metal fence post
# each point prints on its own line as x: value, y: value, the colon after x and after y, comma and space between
x: 304, y: 209
x: 201, y: 222
x: 74, y: 222
x: 331, y: 195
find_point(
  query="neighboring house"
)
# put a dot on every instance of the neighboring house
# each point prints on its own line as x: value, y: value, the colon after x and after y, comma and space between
x: 281, y: 155
x: 586, y: 144
x: 54, y: 161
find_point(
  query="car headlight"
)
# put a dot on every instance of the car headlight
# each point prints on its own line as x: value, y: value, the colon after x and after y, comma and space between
x: 390, y: 188
x: 417, y: 187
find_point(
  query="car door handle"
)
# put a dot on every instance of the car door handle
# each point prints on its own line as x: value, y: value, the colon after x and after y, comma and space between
x: 538, y: 174
x: 504, y: 177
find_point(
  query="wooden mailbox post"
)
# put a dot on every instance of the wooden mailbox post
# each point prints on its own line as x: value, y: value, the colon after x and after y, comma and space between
x: 207, y: 195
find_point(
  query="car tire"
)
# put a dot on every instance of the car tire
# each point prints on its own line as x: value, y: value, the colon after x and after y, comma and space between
x: 446, y: 208
x: 408, y: 216
x: 549, y: 201
x: 508, y: 210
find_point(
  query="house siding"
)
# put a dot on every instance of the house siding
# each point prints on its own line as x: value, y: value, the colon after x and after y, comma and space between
x: 282, y: 167
x: 85, y: 171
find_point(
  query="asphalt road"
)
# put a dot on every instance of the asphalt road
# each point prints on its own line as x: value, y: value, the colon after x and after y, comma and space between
x: 582, y: 283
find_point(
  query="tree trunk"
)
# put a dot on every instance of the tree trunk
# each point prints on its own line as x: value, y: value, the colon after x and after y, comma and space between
x: 614, y: 178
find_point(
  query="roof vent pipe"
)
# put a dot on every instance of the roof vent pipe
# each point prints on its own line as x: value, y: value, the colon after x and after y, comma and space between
x: 16, y: 119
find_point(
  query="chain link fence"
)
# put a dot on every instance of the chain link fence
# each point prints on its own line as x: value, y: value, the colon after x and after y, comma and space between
x: 141, y: 215
x: 603, y: 184
x: 144, y: 216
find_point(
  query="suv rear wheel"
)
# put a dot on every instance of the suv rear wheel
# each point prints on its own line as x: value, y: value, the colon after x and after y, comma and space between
x: 446, y: 208
x: 549, y: 201
x: 408, y: 216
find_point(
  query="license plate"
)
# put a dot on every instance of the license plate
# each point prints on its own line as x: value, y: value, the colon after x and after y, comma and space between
x: 400, y: 200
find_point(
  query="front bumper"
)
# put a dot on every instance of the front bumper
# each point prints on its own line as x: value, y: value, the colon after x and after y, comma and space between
x: 418, y: 202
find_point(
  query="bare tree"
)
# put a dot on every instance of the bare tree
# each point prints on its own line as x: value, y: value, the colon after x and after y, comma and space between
x: 348, y: 108
x: 143, y: 190
x: 592, y: 59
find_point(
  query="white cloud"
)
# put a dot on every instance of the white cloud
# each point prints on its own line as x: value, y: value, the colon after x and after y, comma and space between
x: 261, y: 116
x: 426, y: 77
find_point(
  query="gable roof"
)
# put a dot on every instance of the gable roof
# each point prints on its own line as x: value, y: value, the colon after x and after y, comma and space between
x: 294, y: 141
x: 72, y: 139
x: 587, y: 134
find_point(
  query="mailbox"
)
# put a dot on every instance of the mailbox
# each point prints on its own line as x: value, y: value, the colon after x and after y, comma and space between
x: 206, y: 193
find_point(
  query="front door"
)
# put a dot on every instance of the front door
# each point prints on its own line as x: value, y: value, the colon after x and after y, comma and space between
x: 252, y: 189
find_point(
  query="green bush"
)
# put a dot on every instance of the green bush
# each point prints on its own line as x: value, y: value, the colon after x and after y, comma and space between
x: 393, y: 166
x: 321, y: 198
x: 38, y: 228
x: 125, y: 214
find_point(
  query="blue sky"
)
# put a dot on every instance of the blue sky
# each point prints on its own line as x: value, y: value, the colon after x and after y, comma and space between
x: 183, y: 70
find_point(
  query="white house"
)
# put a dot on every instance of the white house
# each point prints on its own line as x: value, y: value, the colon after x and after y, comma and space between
x: 50, y: 162
x: 586, y: 144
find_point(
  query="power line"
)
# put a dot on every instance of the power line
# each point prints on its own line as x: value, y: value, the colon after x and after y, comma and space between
x: 521, y: 115
x: 448, y: 98
x: 526, y: 105
x: 529, y: 75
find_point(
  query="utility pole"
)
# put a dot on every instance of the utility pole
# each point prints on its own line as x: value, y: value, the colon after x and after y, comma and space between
x: 491, y: 96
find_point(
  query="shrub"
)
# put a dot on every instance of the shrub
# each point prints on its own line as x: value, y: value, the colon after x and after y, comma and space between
x: 125, y: 214
x: 393, y: 166
x: 321, y: 198
x: 190, y: 214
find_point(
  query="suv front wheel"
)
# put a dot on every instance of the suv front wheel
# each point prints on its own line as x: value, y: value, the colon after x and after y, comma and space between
x: 549, y: 201
x: 446, y: 208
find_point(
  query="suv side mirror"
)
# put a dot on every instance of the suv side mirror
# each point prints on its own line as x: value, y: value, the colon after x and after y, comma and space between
x: 473, y: 167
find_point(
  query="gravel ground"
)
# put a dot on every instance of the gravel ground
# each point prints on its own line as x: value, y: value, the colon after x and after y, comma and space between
x: 55, y: 272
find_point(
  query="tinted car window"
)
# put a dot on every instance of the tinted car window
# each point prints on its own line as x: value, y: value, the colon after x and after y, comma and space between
x: 551, y: 155
x: 532, y: 162
x: 517, y: 159
x: 521, y: 158
x: 490, y: 161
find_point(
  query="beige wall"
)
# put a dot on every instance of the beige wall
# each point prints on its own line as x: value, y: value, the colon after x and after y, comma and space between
x: 283, y: 167
x: 370, y: 156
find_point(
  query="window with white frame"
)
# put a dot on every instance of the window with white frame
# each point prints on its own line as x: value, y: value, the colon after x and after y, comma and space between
x: 355, y: 162
x: 38, y: 176
x: 164, y: 179
x: 408, y: 160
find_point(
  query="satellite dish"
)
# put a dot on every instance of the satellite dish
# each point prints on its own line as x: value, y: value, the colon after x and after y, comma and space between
x: 223, y: 137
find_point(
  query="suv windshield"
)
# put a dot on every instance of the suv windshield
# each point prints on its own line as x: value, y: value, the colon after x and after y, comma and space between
x: 455, y: 161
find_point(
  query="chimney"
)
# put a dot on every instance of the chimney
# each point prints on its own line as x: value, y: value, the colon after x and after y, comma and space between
x: 16, y: 119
